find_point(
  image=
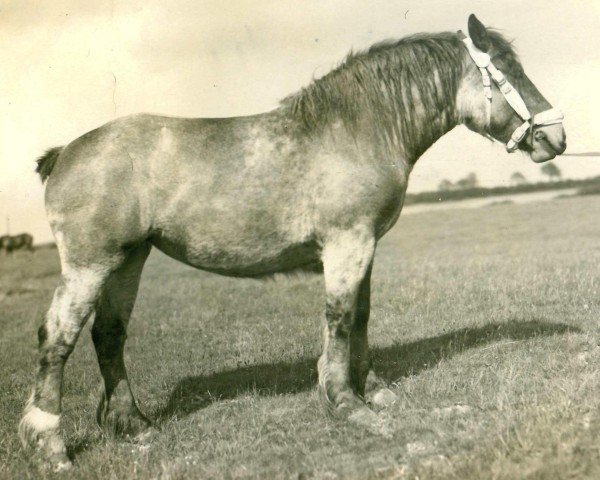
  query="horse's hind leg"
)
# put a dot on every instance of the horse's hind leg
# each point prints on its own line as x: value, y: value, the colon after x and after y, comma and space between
x: 117, y: 411
x: 72, y: 304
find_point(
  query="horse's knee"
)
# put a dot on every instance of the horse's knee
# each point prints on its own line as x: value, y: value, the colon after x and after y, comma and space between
x: 338, y: 314
x: 72, y: 305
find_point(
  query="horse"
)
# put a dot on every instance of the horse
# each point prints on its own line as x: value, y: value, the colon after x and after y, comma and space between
x: 311, y: 185
x: 10, y: 243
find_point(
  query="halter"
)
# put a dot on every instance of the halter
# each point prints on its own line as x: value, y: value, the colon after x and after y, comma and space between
x: 487, y: 69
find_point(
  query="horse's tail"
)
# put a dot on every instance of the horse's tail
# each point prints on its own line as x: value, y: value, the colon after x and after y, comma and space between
x: 46, y: 162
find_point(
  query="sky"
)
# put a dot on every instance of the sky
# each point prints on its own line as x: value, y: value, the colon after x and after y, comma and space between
x: 70, y: 66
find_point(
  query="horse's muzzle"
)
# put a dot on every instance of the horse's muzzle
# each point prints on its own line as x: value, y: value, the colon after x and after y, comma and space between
x: 547, y: 142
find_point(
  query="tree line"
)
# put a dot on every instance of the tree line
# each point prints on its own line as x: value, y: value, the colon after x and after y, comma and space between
x: 549, y: 170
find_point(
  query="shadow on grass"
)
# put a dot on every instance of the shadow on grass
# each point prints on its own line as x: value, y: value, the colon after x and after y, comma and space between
x: 391, y: 363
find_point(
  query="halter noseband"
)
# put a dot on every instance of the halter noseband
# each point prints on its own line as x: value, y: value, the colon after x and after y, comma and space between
x: 487, y: 69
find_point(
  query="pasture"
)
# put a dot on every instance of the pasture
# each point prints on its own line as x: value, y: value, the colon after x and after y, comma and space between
x: 485, y: 322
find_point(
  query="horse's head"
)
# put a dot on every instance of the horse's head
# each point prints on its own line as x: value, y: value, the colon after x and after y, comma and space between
x: 498, y: 100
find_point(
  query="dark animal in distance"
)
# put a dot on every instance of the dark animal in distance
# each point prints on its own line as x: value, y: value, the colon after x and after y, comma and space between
x: 10, y: 243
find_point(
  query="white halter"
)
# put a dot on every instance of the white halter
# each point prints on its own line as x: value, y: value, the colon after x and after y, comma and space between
x: 487, y: 68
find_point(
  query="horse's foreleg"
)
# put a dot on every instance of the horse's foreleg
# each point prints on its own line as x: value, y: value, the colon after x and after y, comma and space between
x: 117, y: 410
x: 363, y: 379
x: 72, y: 304
x: 346, y: 262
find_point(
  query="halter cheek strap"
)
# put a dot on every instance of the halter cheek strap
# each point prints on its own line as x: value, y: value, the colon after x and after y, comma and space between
x: 487, y: 69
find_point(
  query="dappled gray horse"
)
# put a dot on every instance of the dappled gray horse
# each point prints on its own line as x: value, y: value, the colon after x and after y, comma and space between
x: 10, y: 243
x: 311, y: 185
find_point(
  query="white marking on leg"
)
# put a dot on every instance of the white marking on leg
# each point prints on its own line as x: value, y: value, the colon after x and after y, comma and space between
x: 39, y: 420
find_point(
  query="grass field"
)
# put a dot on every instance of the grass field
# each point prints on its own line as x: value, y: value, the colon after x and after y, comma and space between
x: 485, y: 321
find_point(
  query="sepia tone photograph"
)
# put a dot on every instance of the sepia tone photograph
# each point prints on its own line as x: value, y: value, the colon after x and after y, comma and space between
x: 335, y: 239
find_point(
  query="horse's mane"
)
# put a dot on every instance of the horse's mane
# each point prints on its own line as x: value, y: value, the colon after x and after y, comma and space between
x: 398, y: 87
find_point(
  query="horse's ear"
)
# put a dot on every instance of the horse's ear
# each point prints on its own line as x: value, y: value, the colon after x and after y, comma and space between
x: 478, y: 34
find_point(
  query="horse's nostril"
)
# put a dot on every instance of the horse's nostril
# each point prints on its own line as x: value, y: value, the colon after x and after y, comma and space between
x: 562, y: 147
x: 540, y: 135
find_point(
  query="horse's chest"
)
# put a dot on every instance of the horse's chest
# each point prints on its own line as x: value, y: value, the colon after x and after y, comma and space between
x: 390, y: 215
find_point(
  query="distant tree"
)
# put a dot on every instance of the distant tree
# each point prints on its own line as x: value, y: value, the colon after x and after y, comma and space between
x: 551, y: 171
x: 517, y: 178
x: 470, y: 181
x: 445, y: 185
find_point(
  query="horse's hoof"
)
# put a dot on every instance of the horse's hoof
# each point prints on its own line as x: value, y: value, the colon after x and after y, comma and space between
x: 63, y: 466
x: 374, y: 382
x: 366, y: 418
x: 382, y: 398
x: 344, y: 404
x: 49, y: 452
x: 39, y: 433
x: 130, y: 423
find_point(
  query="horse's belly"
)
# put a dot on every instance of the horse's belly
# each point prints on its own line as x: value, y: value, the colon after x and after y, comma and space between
x: 242, y: 258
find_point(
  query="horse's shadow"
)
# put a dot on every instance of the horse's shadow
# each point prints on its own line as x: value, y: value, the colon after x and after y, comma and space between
x: 391, y: 363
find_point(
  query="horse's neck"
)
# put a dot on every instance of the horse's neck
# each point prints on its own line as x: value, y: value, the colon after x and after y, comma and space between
x: 404, y: 146
x: 414, y: 123
x: 428, y: 131
x: 397, y: 103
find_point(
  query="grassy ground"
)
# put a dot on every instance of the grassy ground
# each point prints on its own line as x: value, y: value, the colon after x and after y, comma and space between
x: 485, y: 321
